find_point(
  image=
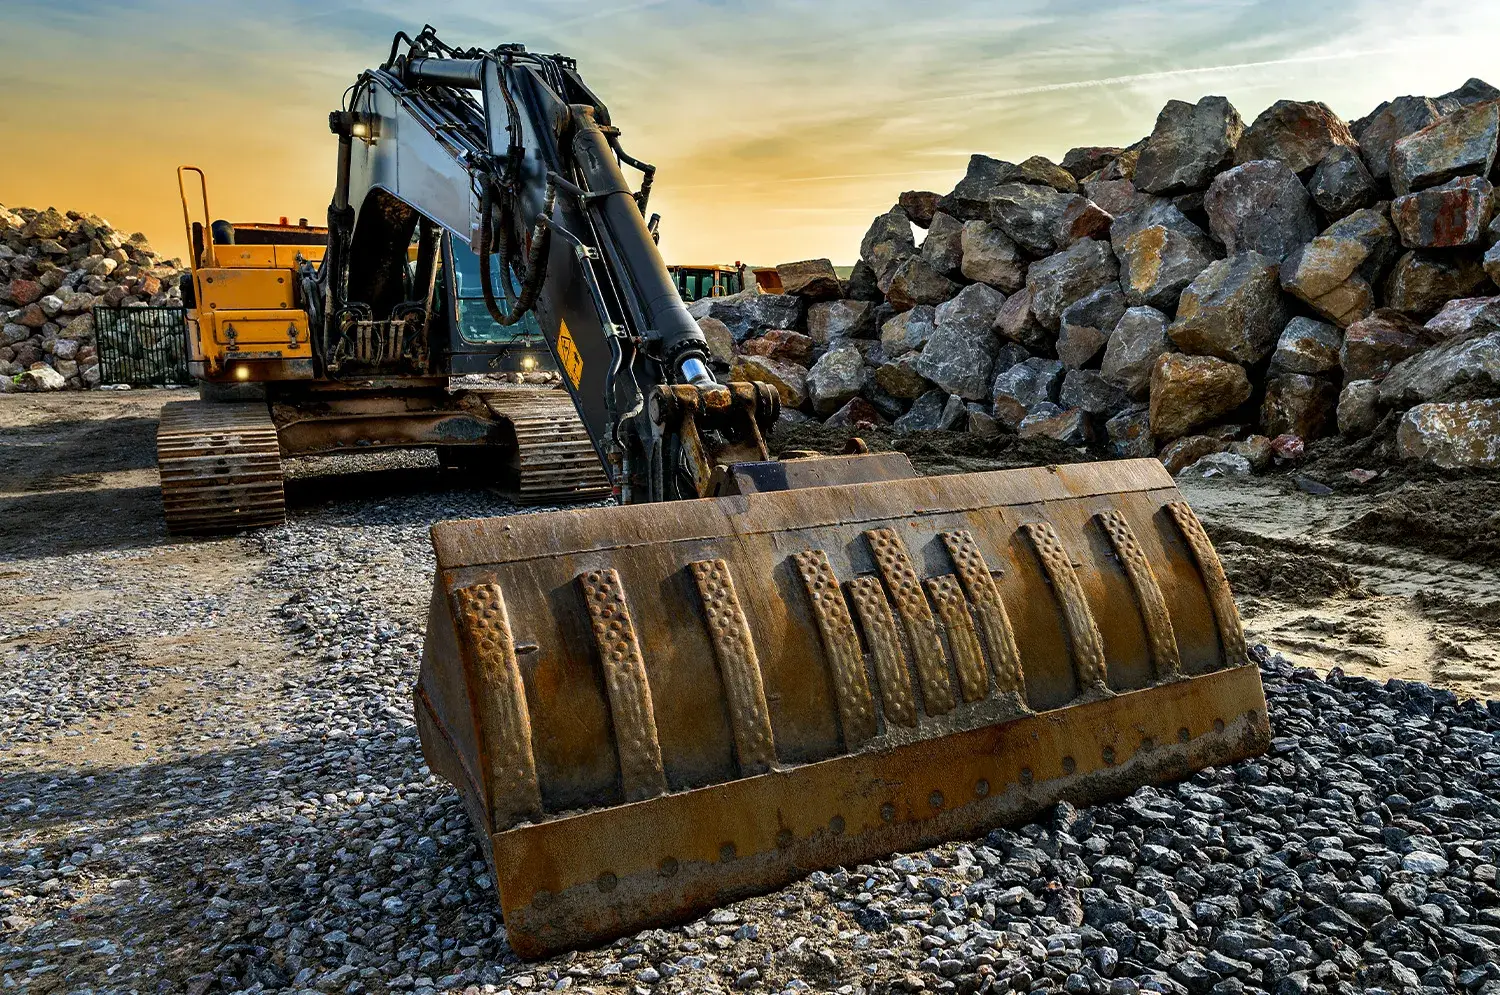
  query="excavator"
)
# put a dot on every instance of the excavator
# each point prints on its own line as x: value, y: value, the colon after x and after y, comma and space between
x: 744, y: 668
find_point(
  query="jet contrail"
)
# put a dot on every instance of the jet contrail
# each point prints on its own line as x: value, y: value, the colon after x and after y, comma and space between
x: 1081, y: 84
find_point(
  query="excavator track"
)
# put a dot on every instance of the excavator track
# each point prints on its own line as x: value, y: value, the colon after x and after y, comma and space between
x: 555, y: 461
x: 220, y: 467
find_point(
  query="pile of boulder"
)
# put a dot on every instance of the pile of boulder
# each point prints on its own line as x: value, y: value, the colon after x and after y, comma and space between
x: 1216, y: 295
x: 54, y: 269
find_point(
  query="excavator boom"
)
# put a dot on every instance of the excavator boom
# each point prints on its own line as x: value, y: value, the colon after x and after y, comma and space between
x: 748, y: 669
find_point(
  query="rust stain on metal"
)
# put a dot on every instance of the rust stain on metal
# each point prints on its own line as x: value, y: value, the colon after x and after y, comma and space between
x: 846, y: 663
x: 624, y: 669
x: 968, y: 657
x: 1148, y: 596
x: 916, y: 618
x: 1083, y: 632
x: 994, y: 621
x: 1221, y: 598
x: 879, y: 626
x: 753, y: 741
x: 507, y: 766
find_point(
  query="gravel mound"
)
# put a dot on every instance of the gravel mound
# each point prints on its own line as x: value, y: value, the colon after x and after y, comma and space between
x: 291, y: 838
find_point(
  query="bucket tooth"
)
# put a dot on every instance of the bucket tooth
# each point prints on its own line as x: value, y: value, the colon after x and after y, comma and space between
x: 654, y: 710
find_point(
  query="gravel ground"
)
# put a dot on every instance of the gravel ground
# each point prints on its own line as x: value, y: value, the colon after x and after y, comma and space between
x: 210, y: 782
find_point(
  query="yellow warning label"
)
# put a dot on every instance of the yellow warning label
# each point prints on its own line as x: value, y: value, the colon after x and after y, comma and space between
x: 567, y: 354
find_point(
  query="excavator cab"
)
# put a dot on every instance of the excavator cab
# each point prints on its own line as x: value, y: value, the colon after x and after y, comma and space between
x: 477, y: 344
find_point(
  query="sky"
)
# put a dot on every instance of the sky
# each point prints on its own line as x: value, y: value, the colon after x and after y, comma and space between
x: 780, y: 128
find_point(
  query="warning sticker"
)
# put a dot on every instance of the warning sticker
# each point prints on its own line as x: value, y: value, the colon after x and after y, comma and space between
x: 567, y: 354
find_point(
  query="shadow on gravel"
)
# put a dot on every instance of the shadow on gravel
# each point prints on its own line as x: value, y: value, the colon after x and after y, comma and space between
x: 52, y: 523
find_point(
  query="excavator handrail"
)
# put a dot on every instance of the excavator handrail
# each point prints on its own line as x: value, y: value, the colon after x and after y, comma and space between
x: 208, y: 250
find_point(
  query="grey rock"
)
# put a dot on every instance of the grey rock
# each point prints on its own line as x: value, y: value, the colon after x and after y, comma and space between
x: 1448, y: 215
x: 1474, y: 91
x: 989, y: 256
x: 1422, y: 280
x: 863, y: 284
x: 1260, y: 206
x: 1086, y: 325
x: 1342, y: 184
x: 1224, y: 464
x: 1300, y: 405
x: 1298, y: 133
x: 907, y: 331
x: 720, y: 340
x: 1114, y: 196
x: 1018, y: 323
x: 1031, y: 216
x: 1072, y: 428
x: 1092, y: 394
x: 1129, y: 433
x: 970, y: 199
x: 1463, y: 318
x: 1358, y: 414
x: 1188, y: 145
x: 749, y: 314
x: 830, y: 321
x: 1378, y: 342
x: 1139, y: 337
x: 942, y: 249
x: 836, y: 379
x: 1466, y: 365
x: 1084, y: 160
x: 1387, y: 125
x: 1068, y: 276
x: 926, y: 414
x: 1336, y: 273
x: 1460, y: 144
x: 960, y: 355
x: 1307, y: 345
x: 1233, y: 310
x: 915, y: 282
x: 1021, y: 388
x: 1160, y: 253
x: 886, y: 244
x: 1452, y: 435
x: 858, y: 413
x: 901, y: 379
x: 981, y: 422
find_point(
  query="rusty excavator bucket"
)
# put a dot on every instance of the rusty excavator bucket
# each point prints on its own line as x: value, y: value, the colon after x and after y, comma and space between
x: 651, y: 710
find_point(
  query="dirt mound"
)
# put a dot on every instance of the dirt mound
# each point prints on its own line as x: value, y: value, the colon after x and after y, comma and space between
x: 935, y: 453
x: 1457, y: 518
x: 1257, y: 566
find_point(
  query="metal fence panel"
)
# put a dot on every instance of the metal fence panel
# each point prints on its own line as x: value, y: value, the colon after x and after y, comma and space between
x: 142, y: 346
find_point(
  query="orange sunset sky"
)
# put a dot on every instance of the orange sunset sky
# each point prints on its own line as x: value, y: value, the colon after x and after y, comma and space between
x: 779, y: 128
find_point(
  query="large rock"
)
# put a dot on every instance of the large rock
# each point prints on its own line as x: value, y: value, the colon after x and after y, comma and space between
x: 48, y: 224
x: 1018, y: 323
x: 907, y: 331
x: 1474, y: 91
x: 1138, y: 339
x: 748, y: 314
x: 1068, y: 276
x: 1039, y: 169
x: 1190, y: 143
x: 1189, y: 391
x: 1307, y: 346
x: 1336, y: 273
x: 1129, y: 433
x: 919, y: 205
x: 1298, y: 133
x: 830, y: 321
x: 942, y: 249
x: 1160, y: 253
x: 1233, y: 310
x: 1378, y: 342
x: 836, y: 378
x: 970, y: 199
x: 23, y: 292
x: 1464, y: 318
x: 1113, y: 196
x: 720, y: 340
x: 889, y: 405
x: 886, y: 244
x: 1460, y: 366
x: 1070, y: 427
x: 1082, y: 218
x: 1021, y: 388
x: 1452, y: 435
x: 864, y: 285
x: 1387, y: 125
x: 1342, y: 183
x: 926, y: 414
x: 40, y: 377
x: 990, y: 256
x: 1445, y: 216
x: 1358, y: 410
x: 1086, y: 325
x: 916, y: 282
x: 1422, y: 281
x: 1091, y: 393
x: 900, y: 378
x: 960, y: 355
x: 813, y: 279
x: 1088, y: 159
x: 1031, y: 215
x: 778, y: 343
x: 1461, y: 144
x: 857, y: 414
x: 1260, y: 206
x: 789, y: 379
x: 1182, y: 453
x: 1300, y: 405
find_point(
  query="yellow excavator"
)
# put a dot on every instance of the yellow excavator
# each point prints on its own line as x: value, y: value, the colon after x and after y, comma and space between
x: 745, y: 668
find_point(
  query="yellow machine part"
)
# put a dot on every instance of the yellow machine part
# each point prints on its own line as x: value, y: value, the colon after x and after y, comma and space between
x: 653, y: 710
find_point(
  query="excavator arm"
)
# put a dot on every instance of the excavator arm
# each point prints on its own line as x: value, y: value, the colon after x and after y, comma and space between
x: 652, y: 710
x: 512, y: 153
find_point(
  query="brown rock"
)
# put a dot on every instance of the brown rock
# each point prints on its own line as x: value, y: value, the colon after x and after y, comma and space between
x: 793, y: 347
x: 1452, y: 214
x: 813, y: 279
x: 1459, y: 144
x: 858, y: 413
x: 1335, y: 272
x: 1298, y: 133
x: 1232, y: 310
x: 1256, y: 449
x: 1083, y: 161
x: 1018, y: 323
x: 919, y: 205
x: 1113, y: 196
x: 32, y: 316
x: 789, y: 379
x: 1298, y: 404
x: 1189, y: 391
x: 1179, y: 455
x: 1082, y: 218
x: 720, y: 340
x: 24, y: 292
x: 1452, y: 435
x: 1374, y: 344
x: 1422, y: 281
x: 915, y: 282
